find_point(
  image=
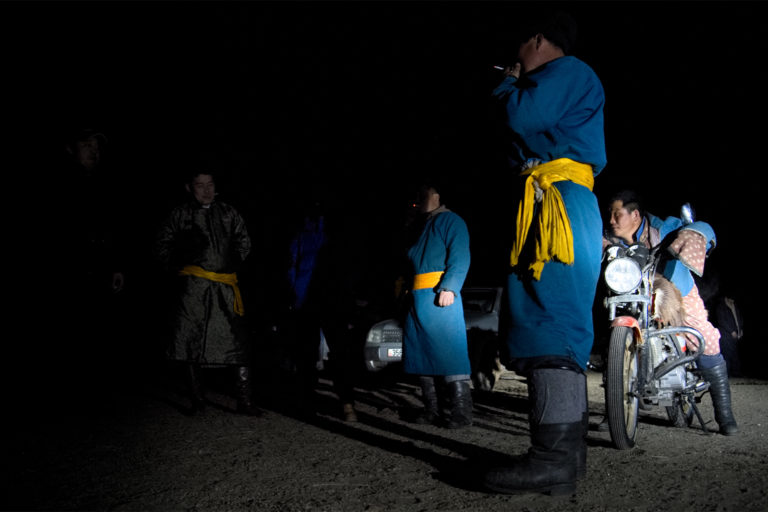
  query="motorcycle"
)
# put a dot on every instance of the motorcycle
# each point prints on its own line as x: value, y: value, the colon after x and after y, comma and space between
x: 649, y: 363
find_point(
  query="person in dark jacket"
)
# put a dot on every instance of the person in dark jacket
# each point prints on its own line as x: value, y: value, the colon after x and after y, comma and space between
x: 203, y: 243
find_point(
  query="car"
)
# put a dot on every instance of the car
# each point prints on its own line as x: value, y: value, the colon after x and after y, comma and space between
x: 384, y: 342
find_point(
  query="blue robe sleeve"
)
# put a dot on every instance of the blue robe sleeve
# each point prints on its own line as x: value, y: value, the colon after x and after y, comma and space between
x: 558, y: 112
x: 665, y: 226
x: 457, y: 254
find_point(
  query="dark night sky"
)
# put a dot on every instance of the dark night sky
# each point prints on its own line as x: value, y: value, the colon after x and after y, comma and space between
x: 331, y: 96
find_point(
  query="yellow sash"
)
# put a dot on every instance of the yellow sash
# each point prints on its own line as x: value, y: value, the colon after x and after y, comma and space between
x: 427, y: 280
x: 230, y: 279
x: 555, y: 237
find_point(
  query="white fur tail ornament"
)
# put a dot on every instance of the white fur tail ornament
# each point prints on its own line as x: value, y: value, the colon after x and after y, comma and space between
x: 667, y: 303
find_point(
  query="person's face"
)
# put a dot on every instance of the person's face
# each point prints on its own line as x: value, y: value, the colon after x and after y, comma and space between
x: 428, y: 200
x: 624, y: 224
x: 203, y: 189
x: 88, y: 153
x: 526, y: 54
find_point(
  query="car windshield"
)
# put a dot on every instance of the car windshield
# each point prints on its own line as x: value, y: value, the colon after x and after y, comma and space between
x: 479, y: 300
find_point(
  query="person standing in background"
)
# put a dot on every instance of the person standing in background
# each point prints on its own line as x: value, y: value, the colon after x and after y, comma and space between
x: 435, y: 335
x: 202, y: 244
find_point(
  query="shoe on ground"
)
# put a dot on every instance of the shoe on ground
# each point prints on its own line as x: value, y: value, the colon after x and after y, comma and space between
x: 349, y: 414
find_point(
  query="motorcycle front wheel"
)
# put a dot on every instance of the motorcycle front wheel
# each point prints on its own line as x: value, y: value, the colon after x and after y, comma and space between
x: 621, y: 401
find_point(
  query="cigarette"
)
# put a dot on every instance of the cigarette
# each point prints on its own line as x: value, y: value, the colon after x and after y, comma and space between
x: 499, y: 68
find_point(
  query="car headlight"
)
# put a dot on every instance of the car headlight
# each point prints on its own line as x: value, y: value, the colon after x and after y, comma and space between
x: 375, y: 336
x: 623, y: 275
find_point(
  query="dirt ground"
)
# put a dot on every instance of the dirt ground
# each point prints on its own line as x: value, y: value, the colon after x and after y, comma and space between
x: 132, y: 448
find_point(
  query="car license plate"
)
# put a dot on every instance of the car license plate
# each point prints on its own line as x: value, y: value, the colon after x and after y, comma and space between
x: 394, y: 352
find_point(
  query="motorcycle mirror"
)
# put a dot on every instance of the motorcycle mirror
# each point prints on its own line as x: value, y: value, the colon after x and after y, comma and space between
x: 686, y: 214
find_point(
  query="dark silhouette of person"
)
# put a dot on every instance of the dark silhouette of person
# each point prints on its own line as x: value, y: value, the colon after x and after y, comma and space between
x: 85, y: 252
x: 203, y: 244
x: 343, y: 291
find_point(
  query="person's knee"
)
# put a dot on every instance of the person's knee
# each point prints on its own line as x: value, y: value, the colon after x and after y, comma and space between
x: 710, y: 361
x: 558, y: 395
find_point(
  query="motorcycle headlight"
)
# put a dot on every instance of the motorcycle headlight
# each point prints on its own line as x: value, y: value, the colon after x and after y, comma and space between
x: 623, y: 275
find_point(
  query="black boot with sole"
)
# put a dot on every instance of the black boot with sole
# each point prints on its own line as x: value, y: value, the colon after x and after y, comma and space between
x: 195, y: 389
x: 549, y: 467
x: 558, y: 421
x: 430, y: 414
x: 460, y: 394
x: 245, y: 393
x: 720, y: 390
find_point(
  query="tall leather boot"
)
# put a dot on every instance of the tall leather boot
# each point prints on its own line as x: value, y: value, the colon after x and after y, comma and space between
x: 194, y: 388
x: 460, y: 395
x: 720, y: 390
x: 549, y: 467
x: 431, y: 411
x: 558, y: 422
x: 580, y: 452
x: 244, y: 393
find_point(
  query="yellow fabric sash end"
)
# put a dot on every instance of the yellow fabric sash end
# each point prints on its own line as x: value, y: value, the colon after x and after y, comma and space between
x: 230, y: 279
x: 554, y: 239
x: 427, y: 280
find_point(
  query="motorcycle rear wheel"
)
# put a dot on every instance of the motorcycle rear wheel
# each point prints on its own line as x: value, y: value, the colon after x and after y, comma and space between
x: 621, y: 402
x: 680, y: 414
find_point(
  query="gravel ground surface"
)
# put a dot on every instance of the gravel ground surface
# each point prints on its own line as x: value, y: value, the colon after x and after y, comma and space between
x: 135, y: 449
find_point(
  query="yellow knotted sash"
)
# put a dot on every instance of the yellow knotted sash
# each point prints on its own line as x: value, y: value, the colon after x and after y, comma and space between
x: 427, y: 280
x: 554, y: 238
x: 230, y: 279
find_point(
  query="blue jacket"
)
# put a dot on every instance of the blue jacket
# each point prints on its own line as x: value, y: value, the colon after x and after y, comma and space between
x: 675, y: 270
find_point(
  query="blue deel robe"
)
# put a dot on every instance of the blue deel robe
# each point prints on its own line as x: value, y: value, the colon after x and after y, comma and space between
x: 435, y: 338
x: 553, y: 316
x: 556, y: 111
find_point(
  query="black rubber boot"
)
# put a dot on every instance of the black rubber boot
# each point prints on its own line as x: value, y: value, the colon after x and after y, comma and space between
x: 549, y: 467
x: 244, y: 392
x: 460, y: 395
x: 195, y: 389
x: 580, y: 453
x: 558, y: 420
x: 430, y: 414
x: 720, y: 390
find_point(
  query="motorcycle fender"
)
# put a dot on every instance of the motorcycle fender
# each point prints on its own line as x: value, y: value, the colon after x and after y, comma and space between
x: 631, y: 322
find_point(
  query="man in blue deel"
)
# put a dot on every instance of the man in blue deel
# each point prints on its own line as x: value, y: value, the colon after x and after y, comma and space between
x: 435, y: 336
x: 553, y: 111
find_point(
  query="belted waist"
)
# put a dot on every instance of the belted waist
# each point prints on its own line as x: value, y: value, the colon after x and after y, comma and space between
x: 553, y: 236
x: 230, y: 279
x: 427, y: 280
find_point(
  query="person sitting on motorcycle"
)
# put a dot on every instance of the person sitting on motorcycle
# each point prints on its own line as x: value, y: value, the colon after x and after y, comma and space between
x: 630, y: 224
